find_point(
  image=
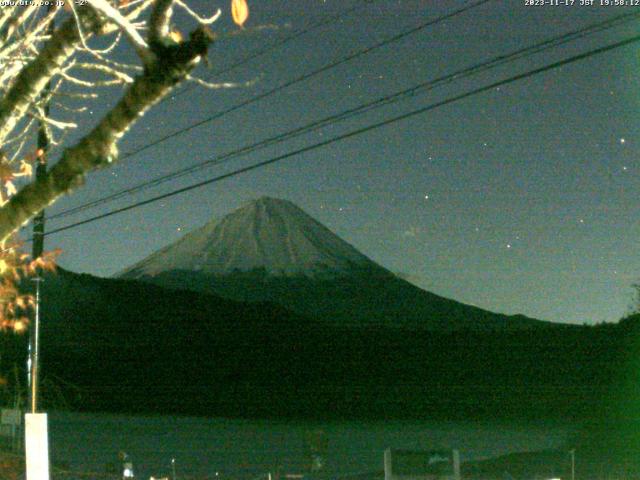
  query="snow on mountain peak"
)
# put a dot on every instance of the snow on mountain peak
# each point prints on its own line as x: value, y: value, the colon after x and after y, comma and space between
x: 268, y: 234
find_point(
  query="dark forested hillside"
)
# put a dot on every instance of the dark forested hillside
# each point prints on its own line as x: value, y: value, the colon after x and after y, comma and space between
x: 120, y: 345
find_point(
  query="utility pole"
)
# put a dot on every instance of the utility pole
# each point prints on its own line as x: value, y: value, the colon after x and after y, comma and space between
x: 36, y: 425
x: 36, y: 434
x: 38, y: 247
x: 33, y: 362
x: 43, y: 142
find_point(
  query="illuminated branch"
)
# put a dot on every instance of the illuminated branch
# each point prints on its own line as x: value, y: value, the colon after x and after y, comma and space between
x: 99, y: 148
x: 33, y: 78
x: 36, y: 62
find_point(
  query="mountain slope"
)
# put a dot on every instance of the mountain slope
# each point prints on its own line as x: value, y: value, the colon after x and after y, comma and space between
x: 122, y: 345
x: 271, y: 250
x: 130, y: 346
x: 268, y: 234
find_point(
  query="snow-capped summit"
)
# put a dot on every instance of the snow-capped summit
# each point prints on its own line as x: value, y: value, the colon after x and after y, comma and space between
x: 269, y: 234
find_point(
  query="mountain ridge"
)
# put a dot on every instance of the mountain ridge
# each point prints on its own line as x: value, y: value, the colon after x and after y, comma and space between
x: 268, y: 233
x: 271, y: 250
x: 124, y: 345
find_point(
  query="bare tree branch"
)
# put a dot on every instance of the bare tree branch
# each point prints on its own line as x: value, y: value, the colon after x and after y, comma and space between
x: 198, y: 18
x: 33, y: 78
x: 6, y: 16
x: 159, y: 22
x: 99, y: 148
x: 116, y: 17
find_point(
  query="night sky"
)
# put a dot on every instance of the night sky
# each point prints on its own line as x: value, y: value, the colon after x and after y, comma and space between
x: 518, y: 200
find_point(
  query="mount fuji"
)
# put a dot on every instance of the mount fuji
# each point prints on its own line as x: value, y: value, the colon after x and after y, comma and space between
x: 271, y: 235
x: 271, y: 250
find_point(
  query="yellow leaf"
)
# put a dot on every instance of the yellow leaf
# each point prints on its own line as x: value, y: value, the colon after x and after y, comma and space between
x: 11, y: 188
x: 176, y: 36
x: 6, y: 172
x: 20, y: 325
x: 25, y: 169
x: 239, y: 11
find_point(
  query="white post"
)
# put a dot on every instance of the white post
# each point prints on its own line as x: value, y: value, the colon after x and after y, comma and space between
x: 36, y: 446
x: 456, y: 464
x: 573, y: 464
x: 388, y: 474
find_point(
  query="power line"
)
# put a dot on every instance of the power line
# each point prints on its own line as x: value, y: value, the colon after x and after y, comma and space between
x: 388, y: 99
x: 322, y: 22
x: 260, y: 52
x: 307, y: 76
x: 359, y: 131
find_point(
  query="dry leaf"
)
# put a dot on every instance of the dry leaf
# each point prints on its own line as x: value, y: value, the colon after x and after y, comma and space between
x: 239, y: 11
x: 26, y: 170
x: 20, y: 325
x: 176, y: 36
x: 6, y: 172
x: 11, y: 188
x: 21, y: 303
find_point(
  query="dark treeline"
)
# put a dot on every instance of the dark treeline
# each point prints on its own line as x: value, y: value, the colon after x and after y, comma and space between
x: 115, y: 345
